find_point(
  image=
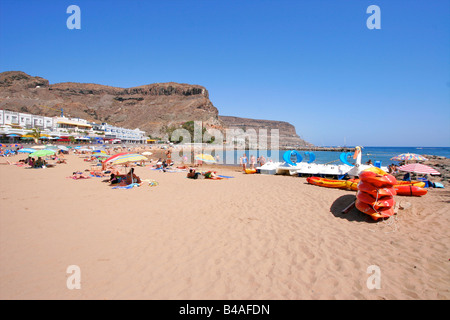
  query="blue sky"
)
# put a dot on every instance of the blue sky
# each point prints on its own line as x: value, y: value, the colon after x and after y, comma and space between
x: 312, y: 63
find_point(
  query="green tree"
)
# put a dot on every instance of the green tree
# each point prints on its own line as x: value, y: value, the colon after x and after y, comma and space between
x: 35, y: 134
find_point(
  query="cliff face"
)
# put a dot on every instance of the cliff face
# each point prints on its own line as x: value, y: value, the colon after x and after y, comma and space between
x: 287, y: 133
x: 152, y: 108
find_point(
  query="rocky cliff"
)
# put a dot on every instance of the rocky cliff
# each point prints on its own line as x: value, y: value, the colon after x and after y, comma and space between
x: 152, y: 108
x: 287, y: 135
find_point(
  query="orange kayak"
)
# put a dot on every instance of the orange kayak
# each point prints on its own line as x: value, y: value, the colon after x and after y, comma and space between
x: 373, y: 191
x: 410, y: 190
x: 377, y: 178
x: 331, y: 183
x: 250, y: 171
x: 420, y: 184
x: 374, y: 214
x: 381, y: 202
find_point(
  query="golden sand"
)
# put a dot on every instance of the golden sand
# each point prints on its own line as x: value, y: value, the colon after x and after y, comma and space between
x: 249, y: 237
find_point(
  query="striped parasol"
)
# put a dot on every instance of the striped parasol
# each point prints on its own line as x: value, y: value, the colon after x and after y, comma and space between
x: 127, y: 158
x: 110, y: 159
x: 100, y: 155
x: 205, y: 158
x: 418, y: 168
x: 409, y: 157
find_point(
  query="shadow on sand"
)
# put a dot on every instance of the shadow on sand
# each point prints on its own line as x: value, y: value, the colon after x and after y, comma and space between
x: 353, y: 215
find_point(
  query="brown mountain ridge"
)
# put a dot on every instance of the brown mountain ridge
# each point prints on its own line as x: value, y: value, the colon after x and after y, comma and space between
x: 152, y: 108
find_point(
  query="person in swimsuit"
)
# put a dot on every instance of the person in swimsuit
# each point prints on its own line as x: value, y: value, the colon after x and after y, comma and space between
x: 132, y: 178
x: 244, y: 162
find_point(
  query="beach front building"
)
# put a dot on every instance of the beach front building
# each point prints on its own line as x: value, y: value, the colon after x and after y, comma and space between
x: 113, y: 134
x: 15, y: 126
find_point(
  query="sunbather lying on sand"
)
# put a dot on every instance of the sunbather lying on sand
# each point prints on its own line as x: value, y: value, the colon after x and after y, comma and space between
x: 192, y: 174
x: 116, y: 179
x: 210, y: 175
x: 79, y: 175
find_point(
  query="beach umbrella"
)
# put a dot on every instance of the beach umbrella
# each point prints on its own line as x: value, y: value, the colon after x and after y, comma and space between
x: 409, y: 157
x: 205, y: 158
x: 127, y: 158
x: 42, y: 153
x: 13, y: 135
x: 26, y: 150
x: 418, y: 168
x: 63, y: 148
x: 3, y: 145
x: 15, y: 145
x: 99, y: 151
x: 110, y: 159
x: 38, y: 147
x: 100, y: 155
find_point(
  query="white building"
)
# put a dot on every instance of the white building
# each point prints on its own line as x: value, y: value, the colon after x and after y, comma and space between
x: 122, y: 134
x: 24, y: 120
x: 20, y: 123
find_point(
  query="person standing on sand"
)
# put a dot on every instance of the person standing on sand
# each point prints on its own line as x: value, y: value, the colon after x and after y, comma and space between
x: 169, y: 156
x: 261, y: 161
x: 252, y: 162
x: 244, y: 161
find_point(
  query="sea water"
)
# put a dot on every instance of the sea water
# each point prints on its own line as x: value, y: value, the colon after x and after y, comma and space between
x: 383, y: 154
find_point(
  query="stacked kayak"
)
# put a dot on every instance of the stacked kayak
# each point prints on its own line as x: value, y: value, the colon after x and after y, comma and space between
x: 375, y: 196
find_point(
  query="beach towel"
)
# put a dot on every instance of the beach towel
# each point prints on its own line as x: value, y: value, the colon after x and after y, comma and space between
x: 228, y: 177
x: 128, y: 186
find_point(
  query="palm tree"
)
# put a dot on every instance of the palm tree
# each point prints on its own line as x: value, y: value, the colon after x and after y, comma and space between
x: 35, y: 134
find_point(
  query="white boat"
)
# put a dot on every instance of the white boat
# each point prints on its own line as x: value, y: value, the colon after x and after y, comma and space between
x: 315, y: 169
x: 269, y: 167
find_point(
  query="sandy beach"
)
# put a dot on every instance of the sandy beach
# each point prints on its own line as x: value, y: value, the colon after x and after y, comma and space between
x: 247, y: 237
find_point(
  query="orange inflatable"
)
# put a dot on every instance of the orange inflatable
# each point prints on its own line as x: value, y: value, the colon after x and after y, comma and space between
x: 331, y: 183
x: 374, y: 214
x: 373, y: 191
x: 352, y: 184
x: 410, y: 190
x: 377, y: 177
x: 410, y: 183
x: 375, y: 195
x: 381, y: 202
